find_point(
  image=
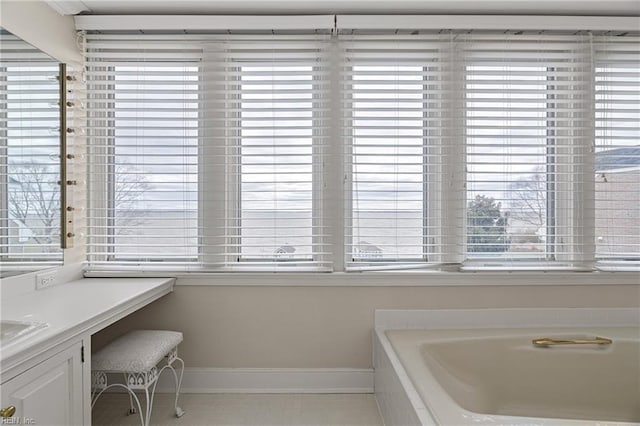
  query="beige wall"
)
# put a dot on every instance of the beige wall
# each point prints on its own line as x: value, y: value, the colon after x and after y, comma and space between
x: 38, y: 24
x: 324, y: 327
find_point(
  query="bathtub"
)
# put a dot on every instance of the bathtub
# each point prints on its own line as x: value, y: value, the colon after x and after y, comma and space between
x: 490, y: 375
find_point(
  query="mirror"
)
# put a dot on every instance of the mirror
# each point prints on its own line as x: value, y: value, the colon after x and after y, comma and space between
x: 29, y: 158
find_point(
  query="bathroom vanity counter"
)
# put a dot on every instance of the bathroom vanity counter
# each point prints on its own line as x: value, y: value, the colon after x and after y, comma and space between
x: 72, y: 310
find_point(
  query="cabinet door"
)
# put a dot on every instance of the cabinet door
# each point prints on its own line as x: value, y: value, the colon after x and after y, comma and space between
x: 49, y: 393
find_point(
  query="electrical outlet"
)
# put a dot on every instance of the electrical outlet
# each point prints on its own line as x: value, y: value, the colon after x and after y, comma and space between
x: 46, y: 279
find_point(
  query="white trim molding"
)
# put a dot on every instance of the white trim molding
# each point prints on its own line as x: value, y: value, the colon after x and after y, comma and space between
x: 271, y: 380
x: 313, y: 7
x: 387, y: 279
x: 347, y: 22
x: 487, y: 22
x: 203, y: 22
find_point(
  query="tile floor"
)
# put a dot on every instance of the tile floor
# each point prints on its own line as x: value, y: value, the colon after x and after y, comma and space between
x: 247, y: 410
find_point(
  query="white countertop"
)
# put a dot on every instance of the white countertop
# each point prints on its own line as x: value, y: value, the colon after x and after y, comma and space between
x: 73, y: 309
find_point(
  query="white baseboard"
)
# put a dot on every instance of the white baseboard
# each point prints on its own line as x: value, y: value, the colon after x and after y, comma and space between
x: 271, y: 380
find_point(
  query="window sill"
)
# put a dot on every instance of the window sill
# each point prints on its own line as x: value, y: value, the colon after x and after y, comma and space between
x: 410, y: 278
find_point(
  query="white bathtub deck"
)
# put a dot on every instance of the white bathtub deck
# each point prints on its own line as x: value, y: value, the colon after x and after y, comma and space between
x: 396, y: 395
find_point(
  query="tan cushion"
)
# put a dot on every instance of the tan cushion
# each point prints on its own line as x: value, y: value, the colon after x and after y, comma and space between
x: 136, y: 351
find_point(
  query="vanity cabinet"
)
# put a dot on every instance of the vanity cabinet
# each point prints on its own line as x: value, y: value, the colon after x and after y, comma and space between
x: 46, y: 375
x: 49, y: 393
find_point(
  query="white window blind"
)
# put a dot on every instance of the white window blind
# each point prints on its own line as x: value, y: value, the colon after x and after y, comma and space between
x: 144, y: 134
x: 460, y: 149
x: 393, y: 92
x: 528, y: 145
x: 275, y: 113
x: 617, y: 151
x: 29, y: 157
x: 206, y: 152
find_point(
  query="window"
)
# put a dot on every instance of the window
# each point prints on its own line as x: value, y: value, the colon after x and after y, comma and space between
x: 144, y: 144
x: 387, y: 168
x: 456, y: 150
x: 277, y: 204
x: 525, y: 164
x: 274, y: 135
x: 509, y: 165
x: 392, y: 102
x: 153, y: 155
x: 29, y: 161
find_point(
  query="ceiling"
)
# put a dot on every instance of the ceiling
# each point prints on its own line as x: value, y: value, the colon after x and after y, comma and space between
x: 266, y: 7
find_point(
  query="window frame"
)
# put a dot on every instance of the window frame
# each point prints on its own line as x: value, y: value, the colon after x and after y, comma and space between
x: 235, y: 177
x: 549, y: 172
x: 418, y: 262
x: 105, y: 186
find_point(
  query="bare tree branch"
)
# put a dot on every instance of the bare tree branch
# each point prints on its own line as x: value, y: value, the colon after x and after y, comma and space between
x: 35, y: 202
x: 129, y: 187
x: 529, y: 200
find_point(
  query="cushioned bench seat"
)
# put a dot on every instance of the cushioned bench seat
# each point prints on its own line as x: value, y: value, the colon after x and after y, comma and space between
x: 136, y: 351
x: 136, y: 356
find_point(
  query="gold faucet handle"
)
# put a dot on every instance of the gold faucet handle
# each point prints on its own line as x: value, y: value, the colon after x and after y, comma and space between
x: 545, y: 342
x: 8, y: 412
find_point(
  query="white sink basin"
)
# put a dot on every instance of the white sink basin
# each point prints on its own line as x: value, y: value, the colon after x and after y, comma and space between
x: 13, y: 330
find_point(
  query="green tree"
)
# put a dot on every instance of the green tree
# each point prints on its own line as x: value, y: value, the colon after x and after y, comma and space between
x: 486, y: 226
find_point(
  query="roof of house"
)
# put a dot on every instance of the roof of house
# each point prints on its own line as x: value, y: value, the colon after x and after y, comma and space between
x: 285, y: 249
x: 365, y: 247
x: 618, y: 158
